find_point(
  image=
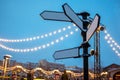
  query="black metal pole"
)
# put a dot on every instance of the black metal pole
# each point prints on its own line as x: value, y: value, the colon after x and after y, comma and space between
x: 86, y: 74
x: 85, y: 45
x: 85, y: 57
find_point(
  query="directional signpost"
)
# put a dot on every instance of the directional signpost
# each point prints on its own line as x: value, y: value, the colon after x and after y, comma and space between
x: 67, y: 53
x: 94, y: 25
x: 52, y: 15
x: 70, y: 16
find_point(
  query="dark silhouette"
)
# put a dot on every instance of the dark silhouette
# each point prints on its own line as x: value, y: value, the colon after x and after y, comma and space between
x: 64, y: 76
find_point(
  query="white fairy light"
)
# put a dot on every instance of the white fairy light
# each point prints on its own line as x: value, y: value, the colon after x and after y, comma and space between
x: 118, y: 46
x: 74, y: 24
x: 27, y: 50
x: 26, y: 39
x: 50, y: 34
x: 71, y: 32
x: 42, y: 36
x: 23, y: 40
x: 35, y: 48
x: 113, y: 41
x: 17, y: 40
x: 118, y: 54
x: 31, y: 50
x: 108, y: 41
x: 48, y: 45
x: 43, y: 46
x: 61, y: 38
x: 110, y: 38
x: 52, y: 42
x: 18, y: 50
x: 39, y: 47
x: 66, y: 35
x: 113, y: 49
x: 69, y: 27
x: 59, y: 30
x: 46, y: 35
x: 57, y: 41
x: 54, y: 32
x: 106, y: 37
x: 105, y: 31
x: 29, y: 39
x: 113, y: 44
x: 76, y: 29
x: 34, y: 38
x: 38, y: 37
x: 64, y: 29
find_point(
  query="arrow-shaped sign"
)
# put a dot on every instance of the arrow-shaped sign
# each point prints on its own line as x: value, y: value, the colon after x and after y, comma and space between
x: 69, y: 16
x: 72, y: 16
x: 93, y: 26
x: 67, y: 53
x: 52, y: 15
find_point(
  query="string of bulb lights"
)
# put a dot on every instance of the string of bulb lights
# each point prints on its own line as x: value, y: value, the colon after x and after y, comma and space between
x: 34, y: 38
x: 112, y: 43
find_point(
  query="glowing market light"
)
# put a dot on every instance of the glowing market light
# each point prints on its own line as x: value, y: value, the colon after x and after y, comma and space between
x: 76, y: 29
x: 61, y: 38
x: 66, y: 35
x: 71, y: 32
x: 112, y: 43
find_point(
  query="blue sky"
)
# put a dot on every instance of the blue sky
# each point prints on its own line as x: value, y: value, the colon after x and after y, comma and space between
x: 21, y: 19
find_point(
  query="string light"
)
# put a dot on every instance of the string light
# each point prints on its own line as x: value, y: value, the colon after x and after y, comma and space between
x: 113, y: 44
x: 47, y: 72
x: 36, y: 37
x: 41, y: 46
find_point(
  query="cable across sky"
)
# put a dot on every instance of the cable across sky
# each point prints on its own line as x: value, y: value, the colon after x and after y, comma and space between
x: 112, y: 43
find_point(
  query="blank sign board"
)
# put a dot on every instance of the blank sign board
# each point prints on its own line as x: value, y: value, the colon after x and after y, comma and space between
x: 52, y: 15
x: 67, y: 53
x: 94, y: 25
x: 73, y: 16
